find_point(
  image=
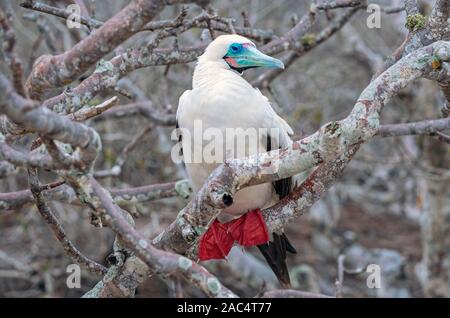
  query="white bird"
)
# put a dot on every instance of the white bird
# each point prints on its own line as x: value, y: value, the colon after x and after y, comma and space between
x: 221, y: 100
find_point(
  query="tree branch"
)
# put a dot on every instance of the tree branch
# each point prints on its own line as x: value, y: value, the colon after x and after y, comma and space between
x: 292, y: 293
x: 309, y: 43
x: 65, y: 194
x: 43, y: 121
x: 13, y: 61
x: 58, y: 230
x: 160, y: 261
x: 425, y: 127
x: 55, y: 71
x: 108, y: 73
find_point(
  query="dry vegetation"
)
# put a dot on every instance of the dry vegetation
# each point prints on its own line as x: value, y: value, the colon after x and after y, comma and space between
x: 86, y: 175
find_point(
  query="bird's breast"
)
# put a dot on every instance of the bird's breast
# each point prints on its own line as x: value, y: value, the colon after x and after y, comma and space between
x: 221, y: 124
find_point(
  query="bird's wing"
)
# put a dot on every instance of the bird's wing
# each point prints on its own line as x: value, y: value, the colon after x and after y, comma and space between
x: 282, y: 187
x: 181, y: 112
x: 272, y: 120
x: 282, y: 140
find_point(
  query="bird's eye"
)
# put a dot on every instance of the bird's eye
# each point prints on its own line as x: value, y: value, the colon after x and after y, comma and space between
x: 236, y: 47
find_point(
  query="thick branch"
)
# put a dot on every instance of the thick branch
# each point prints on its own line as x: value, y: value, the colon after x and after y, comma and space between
x: 109, y: 72
x: 54, y: 71
x: 160, y: 261
x: 45, y: 122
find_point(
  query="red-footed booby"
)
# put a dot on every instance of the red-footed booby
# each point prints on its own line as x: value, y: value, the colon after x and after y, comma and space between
x: 222, y: 102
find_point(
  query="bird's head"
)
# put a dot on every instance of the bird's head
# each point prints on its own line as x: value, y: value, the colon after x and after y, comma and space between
x: 239, y: 53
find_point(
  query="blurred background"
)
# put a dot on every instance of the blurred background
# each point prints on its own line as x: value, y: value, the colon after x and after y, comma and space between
x: 391, y: 206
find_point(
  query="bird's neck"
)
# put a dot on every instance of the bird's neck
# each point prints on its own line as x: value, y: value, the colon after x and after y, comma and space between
x: 208, y: 74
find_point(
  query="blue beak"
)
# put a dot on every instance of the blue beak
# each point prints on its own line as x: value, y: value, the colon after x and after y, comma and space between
x: 250, y: 57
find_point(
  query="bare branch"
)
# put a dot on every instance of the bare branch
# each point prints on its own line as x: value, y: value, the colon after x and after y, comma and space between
x: 327, y: 5
x: 41, y: 120
x: 291, y: 40
x: 35, y: 160
x: 116, y: 170
x: 55, y: 192
x: 13, y: 61
x: 425, y: 127
x: 109, y: 72
x: 292, y: 293
x: 54, y: 71
x: 84, y: 114
x: 160, y: 261
x: 443, y: 137
x: 7, y: 169
x: 308, y: 42
x: 44, y: 8
x: 58, y: 230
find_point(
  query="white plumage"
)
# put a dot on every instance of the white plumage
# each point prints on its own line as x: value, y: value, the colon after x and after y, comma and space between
x: 222, y: 99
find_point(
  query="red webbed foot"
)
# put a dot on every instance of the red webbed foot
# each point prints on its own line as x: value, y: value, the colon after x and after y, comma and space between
x: 215, y: 243
x: 248, y: 230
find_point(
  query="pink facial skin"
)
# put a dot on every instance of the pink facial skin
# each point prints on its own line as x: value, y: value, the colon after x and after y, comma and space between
x: 231, y: 61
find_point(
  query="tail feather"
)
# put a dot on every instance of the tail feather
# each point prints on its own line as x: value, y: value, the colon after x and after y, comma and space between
x: 289, y: 247
x: 275, y: 255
